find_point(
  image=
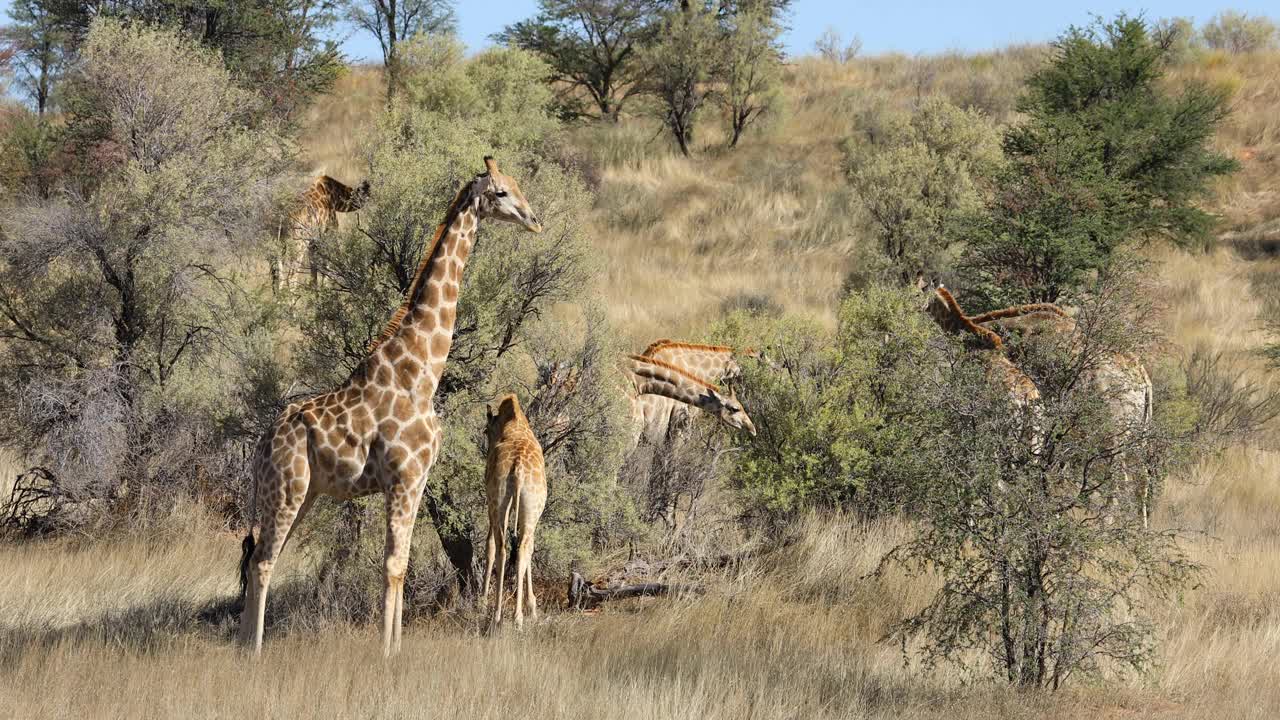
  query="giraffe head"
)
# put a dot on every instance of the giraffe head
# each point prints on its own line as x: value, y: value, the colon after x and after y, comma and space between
x: 500, y: 198
x: 729, y: 410
x: 944, y: 309
x: 508, y: 410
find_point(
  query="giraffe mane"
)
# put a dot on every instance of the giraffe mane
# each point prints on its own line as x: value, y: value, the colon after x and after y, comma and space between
x: 1018, y: 311
x: 967, y: 322
x: 424, y: 268
x: 664, y: 343
x: 679, y: 371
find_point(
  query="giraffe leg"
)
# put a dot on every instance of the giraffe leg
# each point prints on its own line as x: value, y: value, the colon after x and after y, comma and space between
x: 527, y: 516
x: 490, y: 549
x: 504, y: 516
x: 400, y: 516
x: 283, y: 510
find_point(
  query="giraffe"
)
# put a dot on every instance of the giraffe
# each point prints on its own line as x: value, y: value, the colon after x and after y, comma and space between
x: 378, y: 432
x: 315, y: 213
x: 1022, y: 391
x: 714, y: 363
x: 650, y: 381
x: 515, y: 480
x: 1119, y: 377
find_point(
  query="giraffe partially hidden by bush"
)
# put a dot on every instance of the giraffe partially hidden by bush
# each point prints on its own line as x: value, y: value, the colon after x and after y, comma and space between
x: 515, y: 481
x: 314, y: 214
x: 1118, y: 377
x: 944, y: 309
x: 378, y: 432
x: 650, y: 382
x: 713, y: 363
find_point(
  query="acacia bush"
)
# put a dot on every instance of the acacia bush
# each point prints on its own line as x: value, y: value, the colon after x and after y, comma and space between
x: 121, y: 303
x: 1030, y: 521
x: 835, y: 420
x: 917, y: 177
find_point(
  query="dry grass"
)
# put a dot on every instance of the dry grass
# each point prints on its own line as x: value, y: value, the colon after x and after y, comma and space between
x: 140, y: 627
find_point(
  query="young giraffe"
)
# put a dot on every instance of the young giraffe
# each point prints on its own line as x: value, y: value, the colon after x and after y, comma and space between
x: 515, y: 480
x: 1120, y: 378
x: 652, y: 381
x: 378, y: 432
x: 315, y: 214
x: 714, y: 363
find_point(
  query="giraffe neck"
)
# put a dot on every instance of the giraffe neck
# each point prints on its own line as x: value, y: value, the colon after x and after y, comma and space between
x: 418, y: 343
x: 653, y: 379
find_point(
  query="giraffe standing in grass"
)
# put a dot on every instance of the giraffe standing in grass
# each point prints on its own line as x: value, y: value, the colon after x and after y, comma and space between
x: 315, y: 214
x: 1120, y: 378
x: 378, y: 432
x: 515, y: 481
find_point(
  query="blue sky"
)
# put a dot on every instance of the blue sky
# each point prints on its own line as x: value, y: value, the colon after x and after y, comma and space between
x: 883, y: 25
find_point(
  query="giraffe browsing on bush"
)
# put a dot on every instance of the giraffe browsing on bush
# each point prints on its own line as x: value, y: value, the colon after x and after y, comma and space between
x: 315, y: 214
x: 1119, y: 377
x: 1022, y: 391
x: 378, y: 432
x: 714, y: 363
x: 651, y: 381
x: 515, y: 483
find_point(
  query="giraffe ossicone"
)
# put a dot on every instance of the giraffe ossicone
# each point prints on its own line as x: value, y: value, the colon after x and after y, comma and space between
x: 378, y: 432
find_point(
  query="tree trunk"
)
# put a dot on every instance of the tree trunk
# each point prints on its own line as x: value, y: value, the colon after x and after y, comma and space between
x: 455, y: 530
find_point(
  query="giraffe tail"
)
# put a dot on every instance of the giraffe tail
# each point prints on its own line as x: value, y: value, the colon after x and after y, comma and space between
x: 246, y: 555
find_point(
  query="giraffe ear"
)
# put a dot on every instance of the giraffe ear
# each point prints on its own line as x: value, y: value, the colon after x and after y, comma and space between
x: 490, y: 165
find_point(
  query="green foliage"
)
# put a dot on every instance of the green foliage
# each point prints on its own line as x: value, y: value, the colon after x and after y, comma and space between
x: 39, y: 45
x: 1106, y: 155
x: 750, y: 69
x: 277, y: 48
x: 393, y: 23
x: 591, y: 46
x: 123, y: 311
x: 501, y: 93
x: 918, y: 178
x: 679, y: 66
x: 29, y: 154
x: 1238, y: 32
x: 832, y: 423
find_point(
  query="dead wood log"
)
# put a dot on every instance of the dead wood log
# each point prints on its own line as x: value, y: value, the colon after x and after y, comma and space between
x: 583, y: 595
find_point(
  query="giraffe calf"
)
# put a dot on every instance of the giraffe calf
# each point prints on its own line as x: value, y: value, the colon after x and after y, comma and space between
x: 515, y: 482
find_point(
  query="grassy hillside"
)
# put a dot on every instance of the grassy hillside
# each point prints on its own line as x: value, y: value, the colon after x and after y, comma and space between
x: 137, y: 628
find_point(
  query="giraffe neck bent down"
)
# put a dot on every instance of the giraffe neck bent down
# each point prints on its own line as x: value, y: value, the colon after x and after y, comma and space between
x: 652, y: 379
x: 417, y: 349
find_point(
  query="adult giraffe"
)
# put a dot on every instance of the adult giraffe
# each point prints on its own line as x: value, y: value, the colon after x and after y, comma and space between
x: 713, y: 363
x: 378, y: 432
x: 653, y: 382
x: 315, y: 213
x: 1119, y: 378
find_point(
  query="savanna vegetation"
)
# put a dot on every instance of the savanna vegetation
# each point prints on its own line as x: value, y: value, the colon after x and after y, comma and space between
x: 903, y: 537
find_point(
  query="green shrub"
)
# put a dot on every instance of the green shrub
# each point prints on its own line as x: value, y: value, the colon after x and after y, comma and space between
x: 833, y: 420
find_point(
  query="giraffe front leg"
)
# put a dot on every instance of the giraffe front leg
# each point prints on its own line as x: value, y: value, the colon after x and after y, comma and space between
x: 395, y: 564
